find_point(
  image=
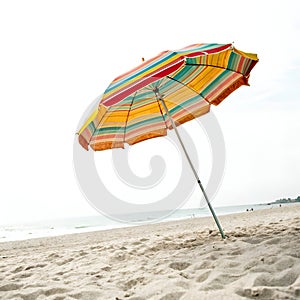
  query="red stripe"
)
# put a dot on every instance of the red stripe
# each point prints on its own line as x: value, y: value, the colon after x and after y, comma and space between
x: 221, y: 86
x: 240, y: 65
x: 141, y: 79
x: 128, y: 90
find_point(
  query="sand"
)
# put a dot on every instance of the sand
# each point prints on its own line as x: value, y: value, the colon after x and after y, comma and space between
x: 183, y: 260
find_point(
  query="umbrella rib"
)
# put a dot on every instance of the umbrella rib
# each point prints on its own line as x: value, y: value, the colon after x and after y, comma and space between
x: 161, y: 112
x: 188, y: 88
x: 218, y: 67
x: 128, y: 115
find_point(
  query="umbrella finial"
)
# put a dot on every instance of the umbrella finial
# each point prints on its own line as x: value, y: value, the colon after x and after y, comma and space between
x: 143, y: 59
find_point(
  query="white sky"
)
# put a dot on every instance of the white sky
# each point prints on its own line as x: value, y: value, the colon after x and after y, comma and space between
x: 57, y: 56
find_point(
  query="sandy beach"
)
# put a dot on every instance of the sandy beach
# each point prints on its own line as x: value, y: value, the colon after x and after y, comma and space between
x: 176, y: 260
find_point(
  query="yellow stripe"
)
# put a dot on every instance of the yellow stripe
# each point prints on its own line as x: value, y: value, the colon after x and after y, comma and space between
x: 89, y: 120
x: 245, y: 54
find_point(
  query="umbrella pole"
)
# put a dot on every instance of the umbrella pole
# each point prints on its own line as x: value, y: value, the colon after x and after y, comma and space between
x: 192, y: 166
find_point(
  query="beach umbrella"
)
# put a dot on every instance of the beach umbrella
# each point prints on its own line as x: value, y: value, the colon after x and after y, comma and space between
x: 164, y: 92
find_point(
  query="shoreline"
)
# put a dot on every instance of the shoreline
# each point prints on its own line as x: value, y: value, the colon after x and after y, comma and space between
x: 229, y: 219
x: 184, y: 259
x: 85, y: 224
x: 207, y: 220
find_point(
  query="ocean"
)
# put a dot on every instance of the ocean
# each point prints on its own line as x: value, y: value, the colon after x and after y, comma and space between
x: 57, y: 227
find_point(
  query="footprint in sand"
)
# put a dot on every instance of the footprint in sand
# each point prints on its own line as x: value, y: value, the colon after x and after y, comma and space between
x: 297, y: 292
x: 82, y: 253
x: 28, y: 295
x: 273, y: 241
x: 136, y: 243
x: 284, y: 279
x: 53, y: 255
x: 56, y: 279
x: 144, y: 240
x: 221, y: 281
x: 86, y: 295
x: 294, y: 254
x: 97, y: 247
x: 179, y: 265
x: 253, y: 241
x: 33, y: 285
x: 64, y: 261
x: 23, y: 275
x: 262, y: 268
x: 106, y: 268
x: 17, y: 270
x: 271, y: 260
x: 284, y: 263
x: 211, y: 257
x: 59, y: 298
x: 172, y: 296
x: 203, y: 276
x: 236, y: 252
x: 10, y: 287
x: 204, y: 265
x: 131, y: 283
x: 250, y: 264
x: 54, y: 291
x: 183, y: 284
x: 60, y: 273
x: 228, y: 263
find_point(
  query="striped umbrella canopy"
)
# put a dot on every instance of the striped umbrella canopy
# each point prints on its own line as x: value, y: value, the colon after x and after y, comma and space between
x: 189, y: 80
x: 164, y: 92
